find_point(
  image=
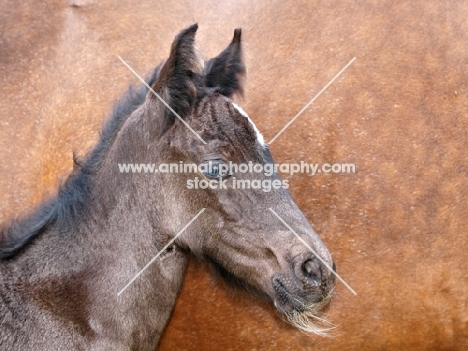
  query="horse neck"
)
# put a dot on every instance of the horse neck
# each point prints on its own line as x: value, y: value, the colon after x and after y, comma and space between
x: 132, y: 220
x: 97, y: 254
x: 132, y: 216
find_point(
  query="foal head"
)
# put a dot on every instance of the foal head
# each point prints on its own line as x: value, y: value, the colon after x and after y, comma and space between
x: 237, y: 232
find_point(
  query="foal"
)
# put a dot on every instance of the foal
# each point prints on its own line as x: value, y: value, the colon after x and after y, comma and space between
x: 62, y: 266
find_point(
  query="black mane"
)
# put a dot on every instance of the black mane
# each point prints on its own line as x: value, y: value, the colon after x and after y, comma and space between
x: 72, y: 198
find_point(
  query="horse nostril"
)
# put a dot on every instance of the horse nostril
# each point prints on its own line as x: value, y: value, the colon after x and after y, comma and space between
x: 311, y: 269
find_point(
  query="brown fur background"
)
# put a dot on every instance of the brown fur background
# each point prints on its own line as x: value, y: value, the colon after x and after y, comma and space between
x: 397, y: 228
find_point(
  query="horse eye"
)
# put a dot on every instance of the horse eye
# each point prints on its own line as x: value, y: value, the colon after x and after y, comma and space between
x: 215, y: 169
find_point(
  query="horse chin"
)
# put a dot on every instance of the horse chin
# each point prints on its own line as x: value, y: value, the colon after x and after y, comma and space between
x: 306, y: 316
x: 309, y: 318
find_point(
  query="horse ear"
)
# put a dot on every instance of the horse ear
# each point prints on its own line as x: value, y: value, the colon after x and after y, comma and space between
x: 226, y: 71
x: 177, y: 81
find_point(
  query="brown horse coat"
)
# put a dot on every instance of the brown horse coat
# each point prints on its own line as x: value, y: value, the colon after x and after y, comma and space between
x: 397, y: 227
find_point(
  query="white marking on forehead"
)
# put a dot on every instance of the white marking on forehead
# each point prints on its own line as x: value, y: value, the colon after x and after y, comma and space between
x: 259, y: 135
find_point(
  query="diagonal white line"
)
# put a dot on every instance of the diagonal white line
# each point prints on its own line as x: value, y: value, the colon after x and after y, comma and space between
x: 311, y: 101
x: 162, y: 100
x: 159, y: 253
x: 312, y: 250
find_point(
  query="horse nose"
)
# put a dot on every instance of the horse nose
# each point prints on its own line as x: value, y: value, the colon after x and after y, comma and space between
x: 311, y: 271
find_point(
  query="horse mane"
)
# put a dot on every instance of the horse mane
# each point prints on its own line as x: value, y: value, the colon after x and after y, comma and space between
x: 72, y: 197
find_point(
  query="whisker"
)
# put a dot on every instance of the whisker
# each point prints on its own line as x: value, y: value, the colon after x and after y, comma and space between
x: 310, y: 319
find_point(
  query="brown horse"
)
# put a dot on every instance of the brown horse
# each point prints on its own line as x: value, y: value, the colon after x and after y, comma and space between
x: 63, y: 263
x: 397, y: 227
